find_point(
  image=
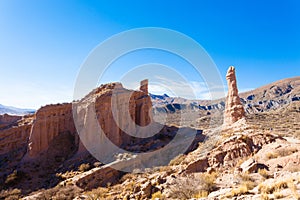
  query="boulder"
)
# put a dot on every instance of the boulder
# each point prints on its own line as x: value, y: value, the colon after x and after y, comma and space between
x: 252, y: 166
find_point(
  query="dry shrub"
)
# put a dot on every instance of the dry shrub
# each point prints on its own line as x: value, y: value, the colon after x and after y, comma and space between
x: 66, y: 175
x: 10, y: 194
x: 278, y: 195
x: 209, y: 181
x: 177, y: 160
x: 271, y: 155
x: 84, y: 167
x: 265, y: 197
x: 281, y: 152
x: 245, y: 177
x: 99, y: 193
x: 190, y: 186
x: 201, y: 194
x: 264, y: 173
x: 131, y: 187
x: 97, y: 164
x: 270, y: 188
x: 158, y: 195
x: 242, y: 189
x: 286, y: 151
x: 58, y: 192
x: 128, y: 177
x: 14, y: 177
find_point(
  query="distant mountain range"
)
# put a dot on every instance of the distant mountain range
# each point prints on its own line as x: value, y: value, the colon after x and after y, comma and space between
x: 15, y: 111
x: 265, y: 98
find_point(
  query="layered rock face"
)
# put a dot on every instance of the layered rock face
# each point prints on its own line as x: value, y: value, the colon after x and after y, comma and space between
x: 228, y: 153
x: 234, y: 109
x: 8, y: 119
x: 50, y: 121
x: 14, y: 133
x: 116, y: 110
x: 119, y: 113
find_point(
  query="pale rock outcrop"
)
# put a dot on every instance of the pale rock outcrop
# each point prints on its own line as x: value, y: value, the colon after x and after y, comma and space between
x: 228, y: 153
x: 252, y: 166
x: 234, y: 109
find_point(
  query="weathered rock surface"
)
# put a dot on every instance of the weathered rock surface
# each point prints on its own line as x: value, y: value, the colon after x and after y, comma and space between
x: 50, y: 121
x: 252, y: 166
x: 230, y: 151
x: 15, y: 133
x: 234, y: 109
x: 97, y: 177
x: 8, y: 119
x: 144, y: 86
x: 114, y: 108
x: 114, y: 114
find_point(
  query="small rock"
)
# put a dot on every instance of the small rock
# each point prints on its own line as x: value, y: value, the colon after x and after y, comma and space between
x: 146, y: 189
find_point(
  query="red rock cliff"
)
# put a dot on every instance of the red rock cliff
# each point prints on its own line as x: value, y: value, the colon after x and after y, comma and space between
x: 14, y: 133
x: 131, y: 107
x: 50, y: 121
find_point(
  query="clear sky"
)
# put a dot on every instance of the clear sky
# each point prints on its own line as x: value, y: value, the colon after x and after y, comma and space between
x: 44, y: 42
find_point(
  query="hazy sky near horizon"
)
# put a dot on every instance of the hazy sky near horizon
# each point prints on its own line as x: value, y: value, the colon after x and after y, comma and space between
x: 43, y: 43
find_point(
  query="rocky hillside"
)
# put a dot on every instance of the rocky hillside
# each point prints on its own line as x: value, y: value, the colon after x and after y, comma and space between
x: 269, y: 97
x: 35, y: 147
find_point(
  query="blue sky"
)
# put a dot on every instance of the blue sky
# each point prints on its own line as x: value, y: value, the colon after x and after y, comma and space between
x: 44, y: 43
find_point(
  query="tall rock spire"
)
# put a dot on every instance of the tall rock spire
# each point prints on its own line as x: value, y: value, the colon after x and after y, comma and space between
x: 234, y: 109
x: 144, y: 86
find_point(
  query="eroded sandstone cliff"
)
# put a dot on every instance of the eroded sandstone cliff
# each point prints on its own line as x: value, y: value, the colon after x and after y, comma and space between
x: 14, y: 135
x: 50, y: 121
x: 115, y: 107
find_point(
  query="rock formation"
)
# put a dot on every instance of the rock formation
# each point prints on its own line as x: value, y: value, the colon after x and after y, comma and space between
x: 8, y: 119
x: 234, y: 109
x: 14, y: 133
x: 114, y: 110
x: 50, y: 121
x: 117, y: 111
x: 144, y: 86
x: 231, y: 150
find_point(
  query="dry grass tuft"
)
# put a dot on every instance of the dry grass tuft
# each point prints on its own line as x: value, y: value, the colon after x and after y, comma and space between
x: 191, y: 187
x: 158, y: 195
x: 264, y: 173
x: 59, y: 192
x: 271, y: 188
x: 10, y: 194
x: 99, y: 193
x: 84, y: 167
x: 177, y: 160
x: 242, y: 189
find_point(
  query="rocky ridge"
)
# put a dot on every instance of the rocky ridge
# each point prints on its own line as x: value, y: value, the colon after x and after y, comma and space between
x: 263, y: 99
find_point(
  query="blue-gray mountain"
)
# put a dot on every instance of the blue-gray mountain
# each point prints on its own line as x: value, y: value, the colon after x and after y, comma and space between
x: 265, y: 98
x: 14, y: 111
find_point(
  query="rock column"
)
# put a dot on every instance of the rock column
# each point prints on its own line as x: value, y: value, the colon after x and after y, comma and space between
x: 234, y: 109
